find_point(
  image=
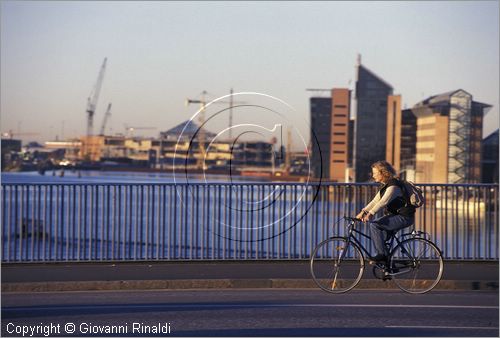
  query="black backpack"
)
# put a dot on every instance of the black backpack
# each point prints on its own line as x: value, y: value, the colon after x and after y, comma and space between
x: 413, y: 194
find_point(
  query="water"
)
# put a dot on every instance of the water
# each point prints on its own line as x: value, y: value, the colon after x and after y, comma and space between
x: 85, y: 177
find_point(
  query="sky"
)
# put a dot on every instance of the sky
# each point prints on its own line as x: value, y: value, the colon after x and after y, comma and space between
x: 160, y: 53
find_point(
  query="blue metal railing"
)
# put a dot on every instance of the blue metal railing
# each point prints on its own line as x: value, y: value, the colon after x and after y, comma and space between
x: 101, y: 222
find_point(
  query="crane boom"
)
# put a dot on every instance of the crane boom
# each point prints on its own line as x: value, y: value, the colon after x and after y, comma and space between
x: 106, y: 116
x: 129, y: 131
x: 10, y: 134
x: 201, y: 133
x: 93, y: 98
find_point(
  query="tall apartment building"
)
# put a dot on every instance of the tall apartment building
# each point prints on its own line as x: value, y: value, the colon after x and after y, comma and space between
x: 408, y: 140
x: 490, y: 158
x: 393, y: 137
x: 401, y: 137
x: 371, y: 121
x: 449, y: 135
x: 330, y: 127
x: 321, y: 109
x: 339, y: 151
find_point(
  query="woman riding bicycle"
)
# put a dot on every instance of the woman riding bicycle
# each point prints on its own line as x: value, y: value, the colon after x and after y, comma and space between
x: 389, y: 197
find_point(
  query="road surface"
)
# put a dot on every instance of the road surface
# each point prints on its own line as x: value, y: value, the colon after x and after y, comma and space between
x: 251, y: 312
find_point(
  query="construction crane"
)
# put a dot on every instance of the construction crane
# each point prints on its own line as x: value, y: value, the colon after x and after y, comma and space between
x: 319, y: 90
x: 288, y: 154
x: 10, y: 134
x: 93, y: 98
x: 201, y: 119
x: 129, y: 131
x: 231, y: 114
x: 105, y: 119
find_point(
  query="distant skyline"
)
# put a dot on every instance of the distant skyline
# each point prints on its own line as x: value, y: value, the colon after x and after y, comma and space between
x: 160, y: 53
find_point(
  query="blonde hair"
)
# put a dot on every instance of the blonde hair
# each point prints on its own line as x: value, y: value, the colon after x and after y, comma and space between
x: 386, y: 170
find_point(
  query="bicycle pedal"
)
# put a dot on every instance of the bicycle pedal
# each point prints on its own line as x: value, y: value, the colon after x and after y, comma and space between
x: 387, y: 276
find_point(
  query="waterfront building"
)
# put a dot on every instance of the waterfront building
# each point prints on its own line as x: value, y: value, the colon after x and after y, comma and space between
x: 489, y: 163
x: 70, y: 147
x: 11, y: 145
x: 449, y: 135
x: 299, y: 164
x: 91, y: 148
x: 371, y: 121
x: 350, y: 147
x: 408, y: 144
x: 96, y: 148
x: 393, y: 138
x: 252, y: 154
x: 171, y: 150
x: 401, y: 137
x: 10, y: 150
x: 186, y: 131
x: 180, y: 147
x: 321, y: 109
x: 339, y: 152
x: 330, y: 134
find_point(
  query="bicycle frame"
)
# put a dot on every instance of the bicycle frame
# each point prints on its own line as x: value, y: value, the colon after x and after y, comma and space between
x: 389, y: 242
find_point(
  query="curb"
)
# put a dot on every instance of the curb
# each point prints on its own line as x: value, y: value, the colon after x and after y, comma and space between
x: 188, y: 284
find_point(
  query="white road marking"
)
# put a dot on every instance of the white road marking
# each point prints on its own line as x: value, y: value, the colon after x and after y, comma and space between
x: 247, y: 305
x: 399, y: 306
x: 442, y: 327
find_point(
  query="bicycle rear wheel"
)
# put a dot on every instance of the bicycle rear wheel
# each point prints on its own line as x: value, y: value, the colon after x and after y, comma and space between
x: 416, y: 265
x: 336, y: 265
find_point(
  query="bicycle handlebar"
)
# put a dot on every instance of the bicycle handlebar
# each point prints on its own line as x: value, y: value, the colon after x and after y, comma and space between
x: 353, y: 219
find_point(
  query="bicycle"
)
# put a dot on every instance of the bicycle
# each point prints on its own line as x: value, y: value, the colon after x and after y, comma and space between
x: 414, y: 263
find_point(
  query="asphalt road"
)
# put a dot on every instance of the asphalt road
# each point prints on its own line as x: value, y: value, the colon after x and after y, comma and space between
x: 252, y: 312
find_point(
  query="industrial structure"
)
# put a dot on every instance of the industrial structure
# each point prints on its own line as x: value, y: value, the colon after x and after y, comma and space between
x: 92, y: 101
x: 200, y: 133
x: 94, y: 98
x: 107, y: 115
x: 176, y: 148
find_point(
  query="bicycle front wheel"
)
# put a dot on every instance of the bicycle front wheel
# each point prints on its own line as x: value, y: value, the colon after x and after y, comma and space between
x: 337, y: 265
x: 416, y: 265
